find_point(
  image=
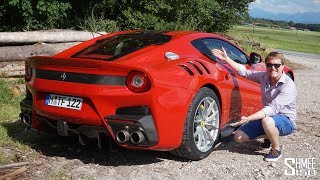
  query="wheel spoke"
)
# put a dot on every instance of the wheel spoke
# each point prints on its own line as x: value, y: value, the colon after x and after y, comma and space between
x: 211, y: 118
x: 211, y: 126
x: 209, y: 110
x: 200, y: 138
x: 205, y: 113
x: 200, y: 113
x: 203, y: 138
x: 208, y: 134
x: 197, y: 131
x: 197, y: 120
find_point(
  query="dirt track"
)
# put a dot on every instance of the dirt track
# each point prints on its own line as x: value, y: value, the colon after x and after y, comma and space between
x: 229, y: 161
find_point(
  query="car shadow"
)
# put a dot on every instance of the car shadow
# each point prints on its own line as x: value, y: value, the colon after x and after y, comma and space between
x: 69, y: 147
x: 110, y: 154
x: 249, y: 148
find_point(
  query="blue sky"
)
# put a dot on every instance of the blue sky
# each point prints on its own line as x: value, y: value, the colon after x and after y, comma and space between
x: 287, y: 6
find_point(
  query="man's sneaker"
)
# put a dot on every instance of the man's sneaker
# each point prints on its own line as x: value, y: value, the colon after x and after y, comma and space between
x: 273, y: 155
x: 265, y: 145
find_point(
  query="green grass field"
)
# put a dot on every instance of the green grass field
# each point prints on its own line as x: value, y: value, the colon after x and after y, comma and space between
x: 295, y: 40
x: 10, y: 125
x: 9, y: 102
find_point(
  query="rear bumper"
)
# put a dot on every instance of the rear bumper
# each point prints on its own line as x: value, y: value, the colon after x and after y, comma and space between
x: 54, y: 126
x: 161, y: 127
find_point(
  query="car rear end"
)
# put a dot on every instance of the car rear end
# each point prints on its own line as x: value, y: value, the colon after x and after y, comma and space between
x: 92, y: 94
x: 74, y: 97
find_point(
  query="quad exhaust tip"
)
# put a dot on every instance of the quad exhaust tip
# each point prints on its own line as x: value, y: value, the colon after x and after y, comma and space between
x: 122, y: 136
x: 26, y: 119
x: 137, y: 137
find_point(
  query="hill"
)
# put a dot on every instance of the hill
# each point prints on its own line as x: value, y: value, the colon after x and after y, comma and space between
x: 282, y: 24
x: 305, y: 18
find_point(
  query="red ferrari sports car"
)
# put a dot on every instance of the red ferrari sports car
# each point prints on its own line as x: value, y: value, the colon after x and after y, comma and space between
x: 145, y: 89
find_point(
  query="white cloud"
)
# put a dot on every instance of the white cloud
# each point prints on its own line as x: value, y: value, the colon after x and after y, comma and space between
x: 287, y: 6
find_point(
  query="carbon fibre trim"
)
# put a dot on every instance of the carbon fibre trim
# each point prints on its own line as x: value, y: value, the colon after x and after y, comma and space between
x: 81, y: 77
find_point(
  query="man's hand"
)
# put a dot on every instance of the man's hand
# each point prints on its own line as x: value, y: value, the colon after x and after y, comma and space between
x: 244, y: 119
x: 220, y: 54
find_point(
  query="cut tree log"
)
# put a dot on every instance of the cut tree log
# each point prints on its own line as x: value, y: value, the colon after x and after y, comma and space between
x: 12, y: 74
x: 18, y: 46
x: 21, y: 53
x: 12, y: 165
x: 11, y: 66
x: 12, y: 69
x: 52, y: 36
x: 12, y: 57
x: 15, y: 173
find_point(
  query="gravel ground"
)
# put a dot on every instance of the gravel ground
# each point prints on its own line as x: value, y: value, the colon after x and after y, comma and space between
x: 229, y: 161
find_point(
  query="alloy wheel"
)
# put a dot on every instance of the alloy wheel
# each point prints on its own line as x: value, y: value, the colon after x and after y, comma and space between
x: 206, y: 124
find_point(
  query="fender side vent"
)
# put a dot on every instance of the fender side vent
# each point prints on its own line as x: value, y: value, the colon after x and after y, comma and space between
x: 187, y: 69
x: 196, y: 67
x: 204, y: 67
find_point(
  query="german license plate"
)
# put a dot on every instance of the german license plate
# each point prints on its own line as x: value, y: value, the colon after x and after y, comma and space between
x: 63, y: 101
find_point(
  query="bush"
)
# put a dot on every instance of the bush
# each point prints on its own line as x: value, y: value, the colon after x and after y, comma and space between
x: 114, y: 15
x: 99, y: 24
x: 27, y: 15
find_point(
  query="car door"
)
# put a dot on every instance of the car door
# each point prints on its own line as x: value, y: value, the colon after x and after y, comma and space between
x: 239, y: 92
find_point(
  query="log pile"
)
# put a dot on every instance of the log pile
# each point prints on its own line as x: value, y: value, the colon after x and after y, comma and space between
x: 16, y: 47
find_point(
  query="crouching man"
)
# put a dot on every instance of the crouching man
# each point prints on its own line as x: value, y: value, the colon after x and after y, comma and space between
x: 278, y: 115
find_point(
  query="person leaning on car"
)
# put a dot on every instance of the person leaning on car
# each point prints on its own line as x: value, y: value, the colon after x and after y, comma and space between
x: 278, y: 115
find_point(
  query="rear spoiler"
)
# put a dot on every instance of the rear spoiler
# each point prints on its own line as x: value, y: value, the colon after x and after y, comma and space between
x: 37, y: 61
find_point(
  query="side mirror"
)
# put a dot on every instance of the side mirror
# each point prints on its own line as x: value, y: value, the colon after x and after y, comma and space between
x: 255, y: 58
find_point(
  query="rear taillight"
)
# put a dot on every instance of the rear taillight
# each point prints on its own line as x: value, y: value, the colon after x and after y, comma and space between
x: 28, y: 72
x: 138, y: 82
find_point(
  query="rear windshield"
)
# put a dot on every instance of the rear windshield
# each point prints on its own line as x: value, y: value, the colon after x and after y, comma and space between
x: 120, y: 45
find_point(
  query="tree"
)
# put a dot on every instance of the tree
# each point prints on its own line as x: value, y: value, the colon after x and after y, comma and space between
x: 291, y: 23
x: 113, y: 15
x: 33, y: 14
x: 202, y: 15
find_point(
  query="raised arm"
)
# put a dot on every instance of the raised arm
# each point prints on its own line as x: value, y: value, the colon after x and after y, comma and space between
x: 222, y: 55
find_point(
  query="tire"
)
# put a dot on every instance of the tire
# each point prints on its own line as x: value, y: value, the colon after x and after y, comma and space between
x: 201, y: 129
